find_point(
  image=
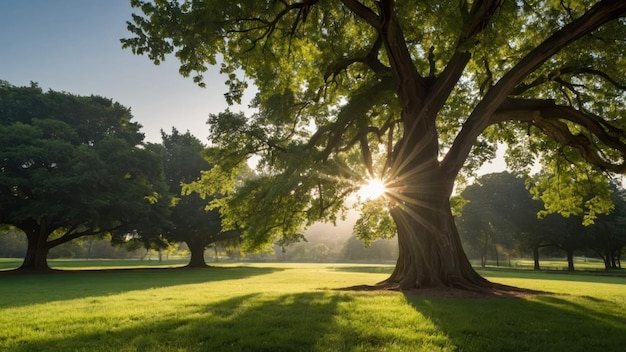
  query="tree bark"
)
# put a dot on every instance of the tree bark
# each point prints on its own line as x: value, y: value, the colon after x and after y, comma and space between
x: 430, y: 252
x: 36, y: 258
x: 197, y: 254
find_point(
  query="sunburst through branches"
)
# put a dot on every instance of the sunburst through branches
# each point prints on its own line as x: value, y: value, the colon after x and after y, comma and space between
x: 372, y: 189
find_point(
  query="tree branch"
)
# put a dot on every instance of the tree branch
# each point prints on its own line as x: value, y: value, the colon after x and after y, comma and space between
x: 364, y: 12
x: 479, y: 17
x: 335, y: 131
x: 596, y: 16
x: 71, y: 235
x: 370, y: 59
x: 549, y: 118
x: 557, y: 74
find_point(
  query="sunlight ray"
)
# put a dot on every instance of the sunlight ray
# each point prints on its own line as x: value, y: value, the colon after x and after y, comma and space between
x: 372, y: 189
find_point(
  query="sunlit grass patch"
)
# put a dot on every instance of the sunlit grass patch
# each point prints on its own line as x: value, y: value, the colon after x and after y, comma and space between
x: 295, y: 307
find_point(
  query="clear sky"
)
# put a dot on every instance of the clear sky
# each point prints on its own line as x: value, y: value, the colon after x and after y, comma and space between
x: 74, y: 46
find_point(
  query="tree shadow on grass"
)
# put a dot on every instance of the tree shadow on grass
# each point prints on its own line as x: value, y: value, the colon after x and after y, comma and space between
x: 541, y: 323
x: 20, y: 290
x: 254, y: 322
x: 594, y: 277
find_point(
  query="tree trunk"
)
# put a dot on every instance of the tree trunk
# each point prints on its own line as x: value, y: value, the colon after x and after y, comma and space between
x: 197, y: 254
x: 614, y: 258
x: 536, y: 258
x: 570, y: 260
x: 606, y: 257
x: 483, y: 257
x: 430, y: 252
x: 36, y: 258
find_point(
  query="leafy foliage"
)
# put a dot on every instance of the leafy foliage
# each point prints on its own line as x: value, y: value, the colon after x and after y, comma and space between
x: 71, y: 166
x: 191, y: 221
x: 500, y: 213
x: 498, y: 210
x: 413, y: 92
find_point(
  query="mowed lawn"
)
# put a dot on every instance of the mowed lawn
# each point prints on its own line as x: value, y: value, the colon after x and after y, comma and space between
x: 295, y: 307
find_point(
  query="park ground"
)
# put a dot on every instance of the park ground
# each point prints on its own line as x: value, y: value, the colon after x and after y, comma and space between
x: 87, y: 306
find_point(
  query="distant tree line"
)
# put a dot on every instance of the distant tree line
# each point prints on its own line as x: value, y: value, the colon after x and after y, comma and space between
x: 500, y: 217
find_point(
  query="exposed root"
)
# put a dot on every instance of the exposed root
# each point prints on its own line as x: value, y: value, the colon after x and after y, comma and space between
x: 377, y: 287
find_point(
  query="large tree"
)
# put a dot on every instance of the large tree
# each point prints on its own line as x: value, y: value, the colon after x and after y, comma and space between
x: 72, y: 166
x: 192, y: 223
x: 411, y: 92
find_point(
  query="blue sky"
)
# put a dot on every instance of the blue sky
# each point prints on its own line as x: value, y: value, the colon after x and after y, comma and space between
x: 73, y: 46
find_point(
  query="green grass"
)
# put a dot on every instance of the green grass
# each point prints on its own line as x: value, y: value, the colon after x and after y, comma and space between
x: 84, y: 264
x: 293, y: 307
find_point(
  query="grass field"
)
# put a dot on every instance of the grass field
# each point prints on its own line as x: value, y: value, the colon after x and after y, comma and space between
x: 294, y: 307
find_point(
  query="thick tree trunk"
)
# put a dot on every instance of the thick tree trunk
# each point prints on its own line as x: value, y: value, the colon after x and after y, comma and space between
x: 430, y: 249
x: 37, y: 233
x: 197, y: 254
x: 36, y: 258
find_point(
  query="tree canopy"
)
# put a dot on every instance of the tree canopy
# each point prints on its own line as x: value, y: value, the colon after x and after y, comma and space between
x: 192, y: 222
x: 499, y: 215
x: 411, y: 92
x: 498, y: 210
x: 72, y: 166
